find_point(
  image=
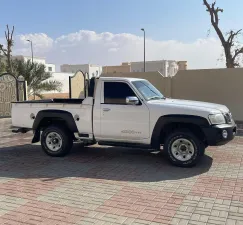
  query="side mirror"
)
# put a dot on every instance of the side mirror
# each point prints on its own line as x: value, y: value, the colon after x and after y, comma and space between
x: 132, y: 100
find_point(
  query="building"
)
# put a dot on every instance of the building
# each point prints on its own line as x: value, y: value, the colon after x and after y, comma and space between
x: 166, y: 67
x: 182, y: 65
x: 49, y: 67
x: 92, y: 70
x: 123, y: 68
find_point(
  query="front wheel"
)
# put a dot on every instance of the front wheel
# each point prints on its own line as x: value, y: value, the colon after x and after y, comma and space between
x: 183, y: 148
x: 56, y: 141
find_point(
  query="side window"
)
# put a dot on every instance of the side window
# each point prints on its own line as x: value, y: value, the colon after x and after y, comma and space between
x: 116, y: 92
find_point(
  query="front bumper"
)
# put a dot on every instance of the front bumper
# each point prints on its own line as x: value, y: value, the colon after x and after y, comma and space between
x: 214, y: 134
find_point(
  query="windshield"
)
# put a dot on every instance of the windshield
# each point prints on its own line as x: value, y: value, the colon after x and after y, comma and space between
x: 148, y: 91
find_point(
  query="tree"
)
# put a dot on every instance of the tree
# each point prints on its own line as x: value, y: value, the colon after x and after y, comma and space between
x: 8, y: 51
x: 232, y: 49
x: 2, y: 65
x: 38, y: 80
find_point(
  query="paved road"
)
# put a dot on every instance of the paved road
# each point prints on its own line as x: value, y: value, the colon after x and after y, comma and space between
x: 117, y: 186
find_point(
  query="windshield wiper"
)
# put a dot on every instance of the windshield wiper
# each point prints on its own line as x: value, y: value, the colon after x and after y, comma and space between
x: 154, y: 97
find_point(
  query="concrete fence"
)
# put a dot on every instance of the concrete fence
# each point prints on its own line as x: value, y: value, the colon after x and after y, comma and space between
x: 222, y: 86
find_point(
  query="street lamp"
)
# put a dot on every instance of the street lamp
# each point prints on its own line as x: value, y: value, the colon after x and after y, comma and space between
x: 31, y: 49
x: 144, y: 48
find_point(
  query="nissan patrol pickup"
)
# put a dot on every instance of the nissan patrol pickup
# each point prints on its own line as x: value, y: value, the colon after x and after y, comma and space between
x: 126, y: 112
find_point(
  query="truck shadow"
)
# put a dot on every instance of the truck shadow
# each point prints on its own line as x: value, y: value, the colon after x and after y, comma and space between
x: 107, y: 163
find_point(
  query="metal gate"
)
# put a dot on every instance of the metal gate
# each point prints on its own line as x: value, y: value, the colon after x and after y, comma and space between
x: 11, y: 90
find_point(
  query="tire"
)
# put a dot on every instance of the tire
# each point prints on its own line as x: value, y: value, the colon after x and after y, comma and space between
x: 56, y: 141
x: 183, y: 149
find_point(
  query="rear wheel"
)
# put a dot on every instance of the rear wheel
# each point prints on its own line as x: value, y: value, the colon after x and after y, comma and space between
x: 56, y: 141
x: 183, y: 148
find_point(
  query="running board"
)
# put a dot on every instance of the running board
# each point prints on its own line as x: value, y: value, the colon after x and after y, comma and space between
x: 124, y: 144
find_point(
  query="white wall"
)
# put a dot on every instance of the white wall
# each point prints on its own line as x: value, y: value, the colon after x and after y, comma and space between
x: 50, y: 68
x: 173, y: 68
x: 64, y: 79
x: 95, y: 71
x: 92, y: 70
x: 37, y: 60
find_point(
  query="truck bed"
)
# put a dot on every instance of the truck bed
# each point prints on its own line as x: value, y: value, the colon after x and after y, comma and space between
x: 23, y: 112
x: 56, y: 100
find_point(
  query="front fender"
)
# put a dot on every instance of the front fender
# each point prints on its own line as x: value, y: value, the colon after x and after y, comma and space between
x: 163, y: 121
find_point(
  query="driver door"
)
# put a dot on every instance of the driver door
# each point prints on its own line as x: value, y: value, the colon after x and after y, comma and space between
x: 120, y: 121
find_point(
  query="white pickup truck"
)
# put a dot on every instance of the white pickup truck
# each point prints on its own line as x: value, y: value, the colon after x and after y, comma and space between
x: 126, y: 112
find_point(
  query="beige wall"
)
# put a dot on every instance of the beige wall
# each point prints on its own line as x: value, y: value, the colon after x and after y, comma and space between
x: 124, y: 68
x: 222, y: 86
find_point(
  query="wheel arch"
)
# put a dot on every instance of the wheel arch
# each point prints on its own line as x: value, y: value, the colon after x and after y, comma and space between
x: 166, y: 124
x: 46, y: 118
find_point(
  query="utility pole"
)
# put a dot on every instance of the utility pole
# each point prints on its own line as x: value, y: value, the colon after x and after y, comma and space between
x: 31, y: 49
x: 144, y: 48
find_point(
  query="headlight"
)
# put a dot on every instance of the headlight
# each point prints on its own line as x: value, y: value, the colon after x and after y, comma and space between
x: 217, y: 118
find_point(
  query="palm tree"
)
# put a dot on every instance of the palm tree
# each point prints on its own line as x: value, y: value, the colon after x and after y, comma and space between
x: 2, y: 65
x: 38, y: 80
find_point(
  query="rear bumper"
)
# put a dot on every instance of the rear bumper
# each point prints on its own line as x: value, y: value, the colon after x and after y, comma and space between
x: 214, y: 134
x: 19, y: 129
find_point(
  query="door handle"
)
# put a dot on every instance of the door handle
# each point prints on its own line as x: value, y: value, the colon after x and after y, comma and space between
x: 106, y: 109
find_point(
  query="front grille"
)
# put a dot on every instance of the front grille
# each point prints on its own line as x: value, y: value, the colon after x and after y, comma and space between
x: 228, y: 117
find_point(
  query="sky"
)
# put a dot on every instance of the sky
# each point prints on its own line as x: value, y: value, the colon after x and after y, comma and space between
x: 108, y: 32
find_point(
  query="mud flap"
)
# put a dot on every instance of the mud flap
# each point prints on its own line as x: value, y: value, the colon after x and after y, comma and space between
x: 36, y: 137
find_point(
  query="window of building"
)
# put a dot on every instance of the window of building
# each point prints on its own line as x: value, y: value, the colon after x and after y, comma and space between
x: 117, y: 92
x: 97, y: 72
x: 49, y: 69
